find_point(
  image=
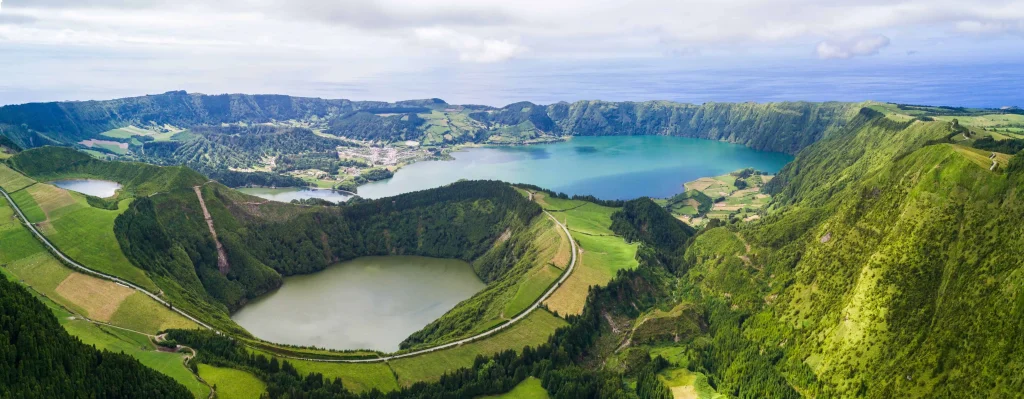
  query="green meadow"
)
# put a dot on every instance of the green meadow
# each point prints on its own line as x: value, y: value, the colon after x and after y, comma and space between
x: 232, y: 384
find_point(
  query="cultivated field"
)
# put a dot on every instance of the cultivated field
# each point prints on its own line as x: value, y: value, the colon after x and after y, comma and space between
x: 602, y: 254
x: 13, y: 181
x: 83, y: 232
x: 88, y: 296
x: 601, y: 258
x: 231, y: 383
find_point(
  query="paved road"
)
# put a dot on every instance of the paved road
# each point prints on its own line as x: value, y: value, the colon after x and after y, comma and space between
x: 521, y: 316
x: 72, y: 263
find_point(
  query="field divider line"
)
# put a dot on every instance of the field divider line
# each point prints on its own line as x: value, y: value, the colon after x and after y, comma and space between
x: 68, y: 261
x: 522, y: 315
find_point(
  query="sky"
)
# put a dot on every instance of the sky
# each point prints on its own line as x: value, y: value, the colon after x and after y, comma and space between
x: 496, y: 52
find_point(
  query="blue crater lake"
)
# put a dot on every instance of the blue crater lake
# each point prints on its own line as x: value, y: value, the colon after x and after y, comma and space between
x: 611, y: 167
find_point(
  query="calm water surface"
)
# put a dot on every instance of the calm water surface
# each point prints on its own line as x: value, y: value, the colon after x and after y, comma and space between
x: 616, y: 167
x: 366, y: 303
x: 96, y: 188
x: 291, y: 193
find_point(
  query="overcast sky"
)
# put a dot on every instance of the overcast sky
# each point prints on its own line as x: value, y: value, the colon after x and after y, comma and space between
x: 95, y: 49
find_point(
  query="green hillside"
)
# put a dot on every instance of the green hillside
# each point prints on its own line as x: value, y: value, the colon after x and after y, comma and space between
x: 887, y: 269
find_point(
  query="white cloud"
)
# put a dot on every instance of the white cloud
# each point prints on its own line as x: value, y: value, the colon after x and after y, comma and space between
x: 849, y: 48
x: 469, y: 48
x: 989, y: 27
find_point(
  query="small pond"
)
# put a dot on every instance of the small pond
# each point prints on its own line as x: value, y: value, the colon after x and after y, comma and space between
x: 292, y: 193
x: 95, y: 188
x: 365, y: 303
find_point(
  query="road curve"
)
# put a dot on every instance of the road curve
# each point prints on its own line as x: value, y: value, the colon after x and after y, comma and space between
x: 68, y: 261
x: 522, y: 315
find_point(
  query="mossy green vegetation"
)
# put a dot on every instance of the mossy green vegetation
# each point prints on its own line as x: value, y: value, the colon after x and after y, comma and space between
x: 232, y: 384
x: 867, y: 283
x: 530, y: 388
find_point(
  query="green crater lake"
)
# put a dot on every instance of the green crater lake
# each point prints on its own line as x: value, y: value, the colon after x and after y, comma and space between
x: 366, y: 303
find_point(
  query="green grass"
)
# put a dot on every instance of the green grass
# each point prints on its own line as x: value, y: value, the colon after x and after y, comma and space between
x: 533, y: 331
x: 687, y: 384
x: 532, y: 288
x: 139, y: 347
x: 86, y: 234
x: 357, y: 377
x: 551, y: 204
x: 589, y: 219
x: 141, y: 313
x: 231, y: 383
x: 530, y: 388
x: 12, y: 181
x: 27, y: 259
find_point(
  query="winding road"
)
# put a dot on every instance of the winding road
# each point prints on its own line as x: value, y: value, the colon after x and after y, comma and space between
x: 522, y: 315
x: 68, y: 261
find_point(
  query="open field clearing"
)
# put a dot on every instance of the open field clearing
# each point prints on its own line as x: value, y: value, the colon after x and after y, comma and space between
x: 95, y: 298
x: 533, y: 330
x: 13, y: 181
x: 140, y: 312
x: 132, y: 131
x: 553, y: 204
x: 231, y: 383
x: 99, y: 298
x: 601, y: 258
x: 589, y: 219
x: 530, y: 388
x: 686, y: 384
x: 85, y: 233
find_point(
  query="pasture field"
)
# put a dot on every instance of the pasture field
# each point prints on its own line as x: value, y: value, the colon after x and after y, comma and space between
x: 11, y: 180
x: 92, y: 297
x: 99, y: 298
x: 601, y: 258
x: 553, y: 204
x: 534, y: 330
x: 83, y: 232
x: 137, y: 346
x: 685, y: 384
x: 231, y: 383
x: 591, y: 219
x: 553, y: 252
x: 357, y: 377
x: 530, y: 388
x: 730, y: 200
x: 140, y: 312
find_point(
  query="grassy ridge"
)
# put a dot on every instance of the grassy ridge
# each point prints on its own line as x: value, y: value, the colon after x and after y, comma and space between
x: 525, y: 260
x: 884, y: 255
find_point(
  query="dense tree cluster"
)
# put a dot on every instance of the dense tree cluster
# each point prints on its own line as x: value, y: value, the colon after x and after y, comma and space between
x: 42, y: 361
x: 1007, y: 146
